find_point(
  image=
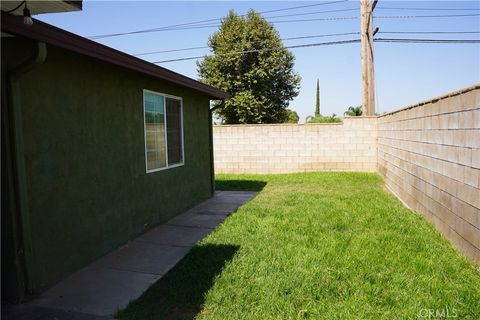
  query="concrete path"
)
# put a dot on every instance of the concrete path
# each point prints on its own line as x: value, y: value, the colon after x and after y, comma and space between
x: 99, y: 290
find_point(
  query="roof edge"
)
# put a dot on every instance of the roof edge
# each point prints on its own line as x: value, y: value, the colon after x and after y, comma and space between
x: 75, y: 3
x: 44, y: 32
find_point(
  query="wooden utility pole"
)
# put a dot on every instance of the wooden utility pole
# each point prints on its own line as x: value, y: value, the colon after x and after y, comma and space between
x: 371, y: 73
x: 368, y: 79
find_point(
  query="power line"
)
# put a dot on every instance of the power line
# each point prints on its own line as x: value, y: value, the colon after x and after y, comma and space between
x: 428, y: 9
x: 209, y: 25
x: 283, y: 39
x: 208, y: 20
x: 111, y: 35
x: 408, y: 40
x: 188, y: 26
x: 202, y: 26
x: 397, y: 40
x: 265, y: 50
x: 305, y: 6
x: 430, y: 32
x: 383, y: 17
x: 317, y: 36
x: 269, y: 17
x: 169, y: 50
x: 290, y: 21
x: 321, y: 36
x: 316, y: 19
x: 428, y: 16
x: 278, y: 10
x: 310, y: 13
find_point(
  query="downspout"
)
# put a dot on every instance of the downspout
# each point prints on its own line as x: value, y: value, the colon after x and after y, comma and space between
x: 212, y: 161
x: 25, y: 257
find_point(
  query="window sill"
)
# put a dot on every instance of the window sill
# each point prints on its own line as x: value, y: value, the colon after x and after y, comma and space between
x: 165, y: 168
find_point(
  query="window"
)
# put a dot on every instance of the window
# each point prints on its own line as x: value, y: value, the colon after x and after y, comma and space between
x: 163, y: 131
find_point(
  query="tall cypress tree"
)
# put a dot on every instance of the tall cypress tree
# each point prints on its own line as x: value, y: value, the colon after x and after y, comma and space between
x: 317, y: 104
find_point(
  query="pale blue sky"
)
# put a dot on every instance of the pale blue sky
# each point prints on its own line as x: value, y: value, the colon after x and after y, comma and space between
x: 405, y: 73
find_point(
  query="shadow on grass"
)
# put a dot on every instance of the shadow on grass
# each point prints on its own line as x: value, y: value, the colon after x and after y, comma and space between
x: 180, y: 293
x: 239, y: 185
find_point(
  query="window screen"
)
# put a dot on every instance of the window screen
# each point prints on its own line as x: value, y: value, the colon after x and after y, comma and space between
x: 163, y: 131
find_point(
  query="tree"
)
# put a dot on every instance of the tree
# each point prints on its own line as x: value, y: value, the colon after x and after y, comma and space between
x: 354, y: 111
x: 261, y: 81
x: 292, y: 116
x: 317, y: 103
x: 323, y: 119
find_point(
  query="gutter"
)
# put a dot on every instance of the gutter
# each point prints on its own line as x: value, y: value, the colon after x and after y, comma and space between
x: 43, y: 32
x: 212, y: 157
x: 25, y: 257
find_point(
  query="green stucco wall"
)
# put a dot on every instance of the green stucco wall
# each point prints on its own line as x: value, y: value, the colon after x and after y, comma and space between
x: 87, y: 188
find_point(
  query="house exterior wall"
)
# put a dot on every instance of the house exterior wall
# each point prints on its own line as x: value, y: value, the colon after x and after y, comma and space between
x: 283, y: 148
x: 86, y: 183
x: 429, y: 156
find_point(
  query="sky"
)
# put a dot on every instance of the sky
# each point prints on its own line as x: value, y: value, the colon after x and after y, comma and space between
x: 404, y: 73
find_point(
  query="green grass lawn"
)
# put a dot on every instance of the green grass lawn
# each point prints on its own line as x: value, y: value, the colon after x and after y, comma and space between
x: 316, y: 246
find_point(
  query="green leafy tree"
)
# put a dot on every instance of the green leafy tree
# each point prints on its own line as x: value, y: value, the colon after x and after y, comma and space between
x: 317, y: 103
x: 324, y: 119
x: 292, y: 116
x: 262, y: 81
x: 354, y: 111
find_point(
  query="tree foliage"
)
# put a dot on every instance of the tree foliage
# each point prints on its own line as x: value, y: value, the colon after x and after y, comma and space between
x: 324, y: 119
x: 354, y: 111
x: 292, y: 116
x: 262, y: 83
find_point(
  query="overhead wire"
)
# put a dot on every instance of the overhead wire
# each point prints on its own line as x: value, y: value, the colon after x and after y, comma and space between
x: 428, y: 9
x: 301, y: 7
x: 430, y: 32
x: 383, y: 17
x: 196, y: 23
x: 310, y: 13
x: 427, y: 40
x: 428, y: 16
x: 265, y: 50
x: 283, y: 39
x: 208, y: 24
x: 201, y: 26
x: 314, y: 36
x: 398, y: 40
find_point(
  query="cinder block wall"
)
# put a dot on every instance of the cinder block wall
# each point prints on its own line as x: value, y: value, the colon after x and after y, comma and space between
x: 283, y: 148
x: 429, y: 156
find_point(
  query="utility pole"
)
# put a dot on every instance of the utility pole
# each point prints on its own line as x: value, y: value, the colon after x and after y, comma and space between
x: 368, y: 76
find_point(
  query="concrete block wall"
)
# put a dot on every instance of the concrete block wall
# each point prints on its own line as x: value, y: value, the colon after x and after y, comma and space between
x: 283, y: 148
x: 429, y: 156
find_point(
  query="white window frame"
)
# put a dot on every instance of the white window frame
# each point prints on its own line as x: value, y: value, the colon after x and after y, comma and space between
x: 165, y: 96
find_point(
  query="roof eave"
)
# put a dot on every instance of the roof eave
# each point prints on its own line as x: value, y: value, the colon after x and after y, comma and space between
x: 49, y: 34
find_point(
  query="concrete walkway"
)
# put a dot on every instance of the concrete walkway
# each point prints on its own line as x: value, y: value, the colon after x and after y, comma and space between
x: 99, y: 290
